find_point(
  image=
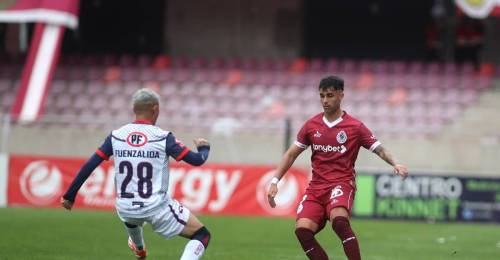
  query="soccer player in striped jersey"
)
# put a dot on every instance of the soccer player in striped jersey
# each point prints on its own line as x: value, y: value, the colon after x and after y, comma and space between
x: 335, y: 138
x: 141, y: 153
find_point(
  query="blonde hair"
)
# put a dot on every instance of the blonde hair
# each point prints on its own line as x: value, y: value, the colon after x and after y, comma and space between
x: 143, y: 99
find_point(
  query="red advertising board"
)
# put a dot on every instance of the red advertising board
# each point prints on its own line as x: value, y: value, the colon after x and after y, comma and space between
x: 211, y: 189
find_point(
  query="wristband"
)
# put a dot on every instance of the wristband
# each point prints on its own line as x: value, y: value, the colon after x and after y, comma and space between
x: 275, y: 180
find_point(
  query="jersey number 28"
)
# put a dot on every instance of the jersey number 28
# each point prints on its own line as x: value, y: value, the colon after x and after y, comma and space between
x: 144, y: 174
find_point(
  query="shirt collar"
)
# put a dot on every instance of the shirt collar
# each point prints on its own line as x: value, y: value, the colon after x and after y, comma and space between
x: 142, y: 121
x: 335, y: 122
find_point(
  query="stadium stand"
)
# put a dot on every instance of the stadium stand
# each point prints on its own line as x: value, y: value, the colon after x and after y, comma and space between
x: 243, y: 103
x: 409, y: 99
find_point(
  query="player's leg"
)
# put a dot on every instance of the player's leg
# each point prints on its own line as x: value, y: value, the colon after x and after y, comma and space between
x: 176, y: 220
x: 135, y: 236
x: 339, y: 210
x: 198, y: 236
x: 310, y: 220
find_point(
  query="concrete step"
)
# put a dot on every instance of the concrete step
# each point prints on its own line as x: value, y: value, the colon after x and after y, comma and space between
x: 482, y: 119
x: 490, y: 99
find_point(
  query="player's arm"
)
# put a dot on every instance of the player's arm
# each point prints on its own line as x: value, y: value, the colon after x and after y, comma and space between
x: 286, y: 162
x: 199, y: 158
x: 68, y: 198
x: 101, y: 154
x: 370, y: 142
x: 179, y: 151
x: 383, y: 153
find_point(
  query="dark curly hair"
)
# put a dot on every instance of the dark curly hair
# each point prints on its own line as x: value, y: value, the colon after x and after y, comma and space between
x: 334, y: 82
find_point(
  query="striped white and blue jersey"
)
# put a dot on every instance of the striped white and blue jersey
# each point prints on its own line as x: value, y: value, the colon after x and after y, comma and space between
x: 141, y: 166
x: 141, y: 163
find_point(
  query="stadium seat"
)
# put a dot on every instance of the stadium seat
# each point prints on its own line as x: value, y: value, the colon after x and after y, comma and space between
x: 144, y: 61
x: 316, y: 65
x: 258, y: 92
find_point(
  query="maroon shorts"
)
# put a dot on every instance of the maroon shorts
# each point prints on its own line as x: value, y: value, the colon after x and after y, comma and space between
x: 317, y: 204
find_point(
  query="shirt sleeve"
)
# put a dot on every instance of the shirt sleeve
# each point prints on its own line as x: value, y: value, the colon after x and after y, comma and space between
x: 82, y: 176
x: 367, y: 139
x: 302, y: 140
x: 199, y: 158
x: 106, y: 149
x: 175, y: 148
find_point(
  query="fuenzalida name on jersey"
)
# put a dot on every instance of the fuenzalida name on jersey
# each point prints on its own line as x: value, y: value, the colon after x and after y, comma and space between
x: 137, y: 154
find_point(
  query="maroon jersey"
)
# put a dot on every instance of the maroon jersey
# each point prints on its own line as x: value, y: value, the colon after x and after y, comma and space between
x: 335, y: 146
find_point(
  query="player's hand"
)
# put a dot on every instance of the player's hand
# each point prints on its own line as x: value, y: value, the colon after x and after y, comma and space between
x: 66, y: 203
x: 273, y: 190
x: 201, y: 142
x: 401, y: 170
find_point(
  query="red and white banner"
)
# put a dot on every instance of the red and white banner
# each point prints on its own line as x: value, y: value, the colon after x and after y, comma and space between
x: 56, y: 12
x: 4, y: 170
x: 37, y: 73
x: 479, y: 9
x: 210, y: 189
x: 51, y: 17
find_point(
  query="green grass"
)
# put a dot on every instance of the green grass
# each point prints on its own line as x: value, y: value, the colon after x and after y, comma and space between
x: 57, y: 234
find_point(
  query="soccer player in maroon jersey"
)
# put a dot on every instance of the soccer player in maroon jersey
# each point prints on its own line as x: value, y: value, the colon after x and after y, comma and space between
x: 335, y: 139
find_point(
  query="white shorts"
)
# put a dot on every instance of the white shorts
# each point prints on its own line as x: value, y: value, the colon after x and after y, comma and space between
x: 168, y: 222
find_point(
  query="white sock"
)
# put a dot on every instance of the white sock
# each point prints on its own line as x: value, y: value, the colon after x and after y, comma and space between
x: 136, y: 235
x: 193, y: 250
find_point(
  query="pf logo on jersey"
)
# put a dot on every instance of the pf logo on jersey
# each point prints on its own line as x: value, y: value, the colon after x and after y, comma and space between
x: 137, y: 139
x: 341, y: 137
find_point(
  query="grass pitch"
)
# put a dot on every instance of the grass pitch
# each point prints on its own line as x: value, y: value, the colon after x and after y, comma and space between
x: 57, y: 234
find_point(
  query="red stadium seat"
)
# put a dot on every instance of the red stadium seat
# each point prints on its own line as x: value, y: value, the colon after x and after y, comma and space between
x: 259, y: 93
